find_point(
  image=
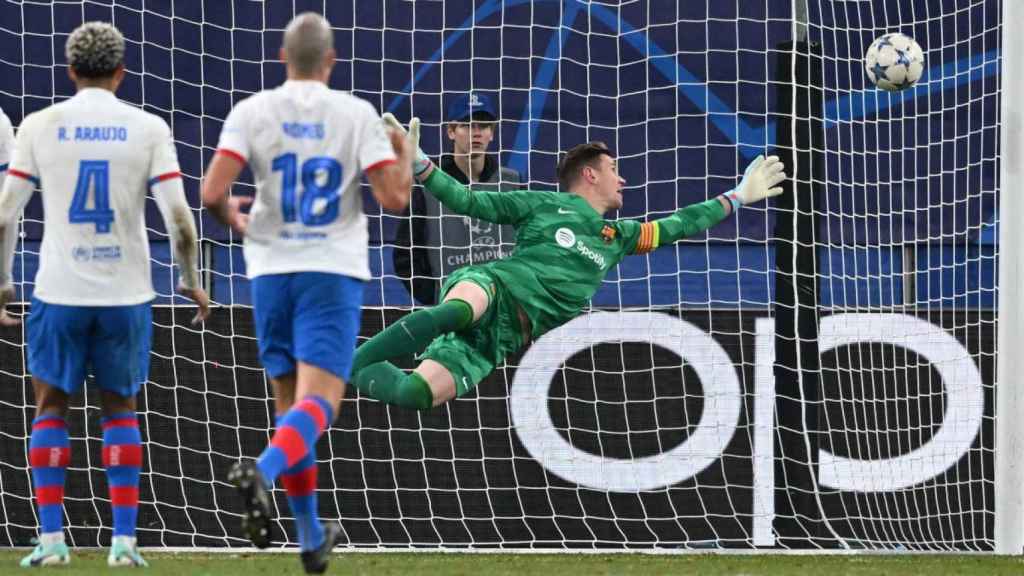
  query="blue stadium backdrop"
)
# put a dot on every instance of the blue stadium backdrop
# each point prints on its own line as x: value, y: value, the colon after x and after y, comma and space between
x: 685, y: 94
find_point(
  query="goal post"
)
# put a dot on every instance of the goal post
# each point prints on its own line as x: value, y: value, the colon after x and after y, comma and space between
x: 799, y: 518
x: 1009, y: 473
x: 906, y: 278
x: 817, y: 372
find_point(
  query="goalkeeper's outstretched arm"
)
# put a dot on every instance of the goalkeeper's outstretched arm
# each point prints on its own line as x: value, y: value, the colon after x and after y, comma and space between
x: 498, y: 207
x: 760, y: 180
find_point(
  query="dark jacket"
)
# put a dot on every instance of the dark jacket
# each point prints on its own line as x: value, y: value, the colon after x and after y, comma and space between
x: 433, y: 242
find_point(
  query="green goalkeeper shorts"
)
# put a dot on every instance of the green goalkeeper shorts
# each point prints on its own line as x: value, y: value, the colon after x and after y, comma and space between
x: 472, y: 354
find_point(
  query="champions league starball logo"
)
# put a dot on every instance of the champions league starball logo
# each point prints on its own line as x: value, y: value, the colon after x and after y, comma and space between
x: 481, y: 230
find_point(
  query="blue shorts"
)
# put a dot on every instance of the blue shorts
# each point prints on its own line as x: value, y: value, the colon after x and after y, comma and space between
x: 311, y: 317
x: 111, y: 342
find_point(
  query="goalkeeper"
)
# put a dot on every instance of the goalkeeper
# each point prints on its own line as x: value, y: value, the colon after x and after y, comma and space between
x: 564, y: 248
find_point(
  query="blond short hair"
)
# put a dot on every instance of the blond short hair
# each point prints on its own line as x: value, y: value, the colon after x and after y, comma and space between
x: 307, y: 40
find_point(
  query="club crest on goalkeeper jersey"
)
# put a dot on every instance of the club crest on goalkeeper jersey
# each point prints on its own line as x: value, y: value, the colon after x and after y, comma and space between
x: 563, y: 253
x: 307, y: 146
x: 94, y: 157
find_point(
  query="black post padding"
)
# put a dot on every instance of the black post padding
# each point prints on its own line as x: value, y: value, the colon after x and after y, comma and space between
x: 798, y: 517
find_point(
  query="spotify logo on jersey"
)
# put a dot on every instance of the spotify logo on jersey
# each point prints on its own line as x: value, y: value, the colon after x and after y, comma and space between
x: 565, y: 237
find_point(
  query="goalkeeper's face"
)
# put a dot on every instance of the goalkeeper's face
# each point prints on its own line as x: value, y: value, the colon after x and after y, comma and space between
x: 607, y: 182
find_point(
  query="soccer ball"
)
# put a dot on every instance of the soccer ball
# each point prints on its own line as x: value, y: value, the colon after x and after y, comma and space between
x: 894, y: 62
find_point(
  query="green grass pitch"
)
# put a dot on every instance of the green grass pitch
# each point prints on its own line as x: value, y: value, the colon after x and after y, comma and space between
x: 445, y: 564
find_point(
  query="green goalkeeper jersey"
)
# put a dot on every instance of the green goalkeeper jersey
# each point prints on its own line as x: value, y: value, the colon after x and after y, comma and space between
x: 564, y: 248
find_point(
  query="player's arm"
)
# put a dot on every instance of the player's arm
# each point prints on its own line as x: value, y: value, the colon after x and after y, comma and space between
x: 169, y: 192
x: 222, y: 172
x: 497, y: 207
x: 227, y: 163
x: 760, y: 181
x: 687, y: 221
x: 391, y: 180
x: 170, y: 199
x: 16, y: 187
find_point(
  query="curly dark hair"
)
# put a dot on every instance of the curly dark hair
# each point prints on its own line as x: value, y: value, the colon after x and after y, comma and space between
x: 95, y: 50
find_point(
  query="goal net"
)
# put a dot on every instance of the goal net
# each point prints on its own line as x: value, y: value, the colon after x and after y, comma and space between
x: 744, y: 388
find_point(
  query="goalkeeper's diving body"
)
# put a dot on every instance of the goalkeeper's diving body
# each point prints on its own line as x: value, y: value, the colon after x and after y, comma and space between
x: 564, y: 248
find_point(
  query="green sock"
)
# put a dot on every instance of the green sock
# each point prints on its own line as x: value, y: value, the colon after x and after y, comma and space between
x: 383, y: 381
x: 413, y: 333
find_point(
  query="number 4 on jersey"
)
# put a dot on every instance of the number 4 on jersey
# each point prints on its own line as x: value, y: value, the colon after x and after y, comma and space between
x: 94, y: 176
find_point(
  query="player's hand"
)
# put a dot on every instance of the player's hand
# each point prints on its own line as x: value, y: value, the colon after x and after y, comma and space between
x: 420, y: 163
x: 6, y: 297
x: 760, y: 180
x: 197, y: 295
x: 413, y: 134
x: 400, y: 146
x: 238, y: 220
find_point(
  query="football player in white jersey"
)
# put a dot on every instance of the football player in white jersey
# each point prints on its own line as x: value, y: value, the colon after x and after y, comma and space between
x: 94, y: 158
x: 6, y: 149
x: 306, y: 254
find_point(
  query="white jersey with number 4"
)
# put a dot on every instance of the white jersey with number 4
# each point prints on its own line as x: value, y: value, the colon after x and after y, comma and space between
x: 307, y: 146
x: 94, y: 158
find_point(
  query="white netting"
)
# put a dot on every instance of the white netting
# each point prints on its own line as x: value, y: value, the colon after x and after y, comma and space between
x: 648, y: 424
x: 907, y: 268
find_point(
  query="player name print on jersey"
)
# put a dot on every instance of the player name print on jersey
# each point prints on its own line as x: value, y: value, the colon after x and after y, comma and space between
x: 93, y: 133
x: 302, y: 130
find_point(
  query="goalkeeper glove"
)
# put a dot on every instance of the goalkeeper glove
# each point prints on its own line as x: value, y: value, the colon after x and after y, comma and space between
x: 760, y: 180
x: 420, y: 162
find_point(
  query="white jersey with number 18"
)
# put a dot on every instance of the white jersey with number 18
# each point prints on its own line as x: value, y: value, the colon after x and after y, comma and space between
x: 307, y: 147
x: 94, y: 158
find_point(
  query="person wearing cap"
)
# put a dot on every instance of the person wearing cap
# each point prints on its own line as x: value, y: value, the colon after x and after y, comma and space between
x: 432, y: 242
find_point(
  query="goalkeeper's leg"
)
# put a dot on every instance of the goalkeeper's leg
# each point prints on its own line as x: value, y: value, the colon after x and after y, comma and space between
x: 372, y: 374
x: 454, y: 363
x: 415, y: 331
x: 385, y: 382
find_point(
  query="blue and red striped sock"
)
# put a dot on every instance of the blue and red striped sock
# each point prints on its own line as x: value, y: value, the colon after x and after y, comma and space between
x: 299, y: 429
x: 49, y: 454
x: 300, y: 486
x: 122, y: 457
